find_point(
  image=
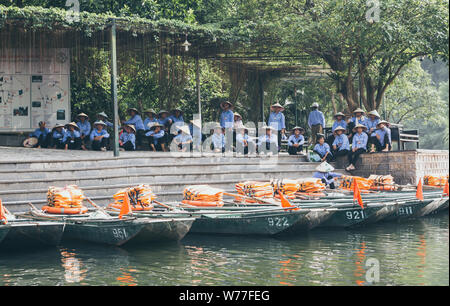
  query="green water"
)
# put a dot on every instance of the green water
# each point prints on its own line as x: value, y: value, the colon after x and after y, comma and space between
x: 411, y: 253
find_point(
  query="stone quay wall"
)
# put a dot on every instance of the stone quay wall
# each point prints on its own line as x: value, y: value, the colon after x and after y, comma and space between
x: 407, y: 167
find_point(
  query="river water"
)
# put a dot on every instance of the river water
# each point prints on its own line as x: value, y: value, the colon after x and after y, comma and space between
x: 410, y: 253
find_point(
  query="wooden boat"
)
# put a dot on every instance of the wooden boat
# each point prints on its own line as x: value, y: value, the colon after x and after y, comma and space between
x: 25, y: 233
x: 4, y: 229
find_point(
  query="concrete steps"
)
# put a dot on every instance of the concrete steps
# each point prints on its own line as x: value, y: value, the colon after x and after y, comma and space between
x: 24, y: 179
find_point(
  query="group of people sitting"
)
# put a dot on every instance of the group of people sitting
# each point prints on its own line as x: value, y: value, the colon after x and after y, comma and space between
x: 363, y: 133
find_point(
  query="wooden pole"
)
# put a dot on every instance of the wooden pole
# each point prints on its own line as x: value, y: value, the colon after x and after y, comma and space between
x: 199, y: 101
x: 261, y: 96
x: 114, y: 86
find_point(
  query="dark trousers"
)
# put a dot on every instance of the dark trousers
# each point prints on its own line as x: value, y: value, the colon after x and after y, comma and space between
x: 128, y: 146
x: 374, y: 140
x: 266, y: 147
x: 250, y: 148
x: 97, y: 145
x: 330, y: 140
x: 58, y: 143
x: 44, y: 141
x: 73, y: 143
x: 279, y: 140
x: 294, y: 150
x: 337, y: 153
x: 158, y: 141
x: 353, y: 156
x: 329, y: 156
x: 140, y: 134
x: 331, y: 185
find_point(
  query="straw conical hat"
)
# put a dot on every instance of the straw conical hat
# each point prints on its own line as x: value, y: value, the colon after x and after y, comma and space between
x: 99, y: 122
x: 30, y: 142
x: 324, y: 167
x: 163, y: 112
x: 72, y: 124
x: 359, y: 125
x: 374, y: 113
x: 384, y: 122
x: 298, y: 128
x: 82, y: 115
x: 339, y: 128
x: 156, y: 125
x: 150, y: 111
x: 237, y: 115
x: 358, y: 110
x: 222, y: 104
x: 315, y: 104
x: 133, y: 109
x: 103, y: 114
x: 184, y: 129
x: 278, y: 105
x: 131, y: 127
x: 339, y: 114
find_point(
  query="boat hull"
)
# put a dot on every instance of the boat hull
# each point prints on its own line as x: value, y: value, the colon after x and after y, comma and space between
x: 28, y: 234
x: 4, y: 229
x: 248, y: 224
x: 355, y: 216
x: 160, y: 230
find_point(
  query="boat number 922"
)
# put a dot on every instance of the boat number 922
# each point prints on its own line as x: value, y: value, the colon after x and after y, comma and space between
x: 355, y: 215
x: 278, y: 221
x: 119, y: 233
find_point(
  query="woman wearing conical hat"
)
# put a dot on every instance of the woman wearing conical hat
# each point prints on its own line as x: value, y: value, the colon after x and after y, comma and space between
x: 43, y: 136
x: 72, y: 137
x: 359, y: 145
x: 85, y: 129
x: 277, y: 121
x: 268, y: 141
x: 358, y: 118
x: 156, y: 137
x: 245, y: 144
x: 340, y: 145
x: 296, y: 141
x: 339, y: 121
x: 183, y: 141
x: 58, y: 133
x: 380, y: 139
x: 127, y: 140
x: 150, y: 119
x: 325, y: 173
x: 136, y: 121
x: 323, y: 149
x: 372, y: 121
x: 99, y: 136
x: 226, y: 116
x: 316, y: 122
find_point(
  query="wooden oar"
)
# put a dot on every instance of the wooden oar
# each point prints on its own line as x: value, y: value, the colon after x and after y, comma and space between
x: 251, y: 198
x: 97, y: 207
x: 163, y: 205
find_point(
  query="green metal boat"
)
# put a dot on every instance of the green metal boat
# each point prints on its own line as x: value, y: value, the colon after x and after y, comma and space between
x: 4, y: 229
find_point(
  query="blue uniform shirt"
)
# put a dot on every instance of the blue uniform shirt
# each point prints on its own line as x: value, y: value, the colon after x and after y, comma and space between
x: 180, y: 138
x: 96, y: 133
x: 360, y: 141
x: 361, y: 120
x: 322, y: 149
x: 294, y: 139
x: 158, y: 135
x: 176, y: 119
x: 163, y: 121
x: 327, y: 176
x: 240, y: 138
x: 371, y: 124
x: 38, y: 132
x: 316, y: 117
x: 273, y: 140
x: 148, y: 122
x: 277, y: 121
x: 85, y: 128
x: 382, y: 132
x: 227, y: 119
x: 71, y: 134
x: 125, y: 137
x: 341, y: 123
x: 341, y: 142
x: 218, y: 140
x: 58, y: 135
x: 136, y: 120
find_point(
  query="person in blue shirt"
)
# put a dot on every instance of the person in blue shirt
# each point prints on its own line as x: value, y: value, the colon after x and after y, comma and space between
x: 85, y: 129
x: 296, y: 141
x: 277, y: 121
x: 150, y: 119
x: 323, y: 149
x: 176, y: 120
x: 339, y: 121
x: 43, y: 135
x: 359, y: 145
x: 196, y: 133
x: 245, y: 144
x: 156, y: 138
x: 358, y: 118
x: 136, y: 121
x: 72, y: 137
x: 183, y: 141
x: 268, y: 143
x: 325, y: 173
x: 227, y: 116
x: 218, y: 141
x: 58, y: 133
x: 340, y: 145
x: 380, y: 140
x: 127, y: 140
x: 104, y: 117
x: 316, y: 122
x: 177, y: 116
x: 99, y: 136
x: 372, y: 121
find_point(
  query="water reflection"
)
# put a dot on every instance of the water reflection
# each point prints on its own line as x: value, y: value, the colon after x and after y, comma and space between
x: 412, y: 253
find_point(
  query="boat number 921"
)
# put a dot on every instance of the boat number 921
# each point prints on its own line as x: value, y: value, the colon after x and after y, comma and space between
x: 355, y: 215
x: 278, y: 221
x: 119, y: 233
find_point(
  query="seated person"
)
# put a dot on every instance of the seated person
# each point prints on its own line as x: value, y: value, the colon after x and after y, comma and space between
x: 218, y: 140
x: 127, y: 140
x: 58, y: 133
x: 372, y: 121
x: 104, y: 117
x: 296, y: 141
x: 156, y: 138
x: 268, y: 143
x: 150, y: 119
x: 324, y: 172
x: 99, y: 136
x: 323, y: 149
x: 72, y: 137
x: 136, y: 121
x: 196, y: 133
x: 380, y: 139
x: 339, y: 121
x: 359, y: 145
x: 183, y: 141
x: 340, y: 145
x: 85, y: 129
x: 43, y: 136
x: 358, y: 118
x: 244, y: 143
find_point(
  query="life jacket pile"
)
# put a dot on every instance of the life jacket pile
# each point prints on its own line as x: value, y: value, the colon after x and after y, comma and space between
x: 141, y: 197
x: 65, y: 197
x: 310, y: 185
x: 254, y: 189
x: 347, y: 182
x: 382, y: 182
x: 437, y: 181
x: 286, y: 186
x: 202, y: 195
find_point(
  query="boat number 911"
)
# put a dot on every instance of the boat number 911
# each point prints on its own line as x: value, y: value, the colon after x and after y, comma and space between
x: 119, y: 233
x: 278, y: 221
x: 355, y: 215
